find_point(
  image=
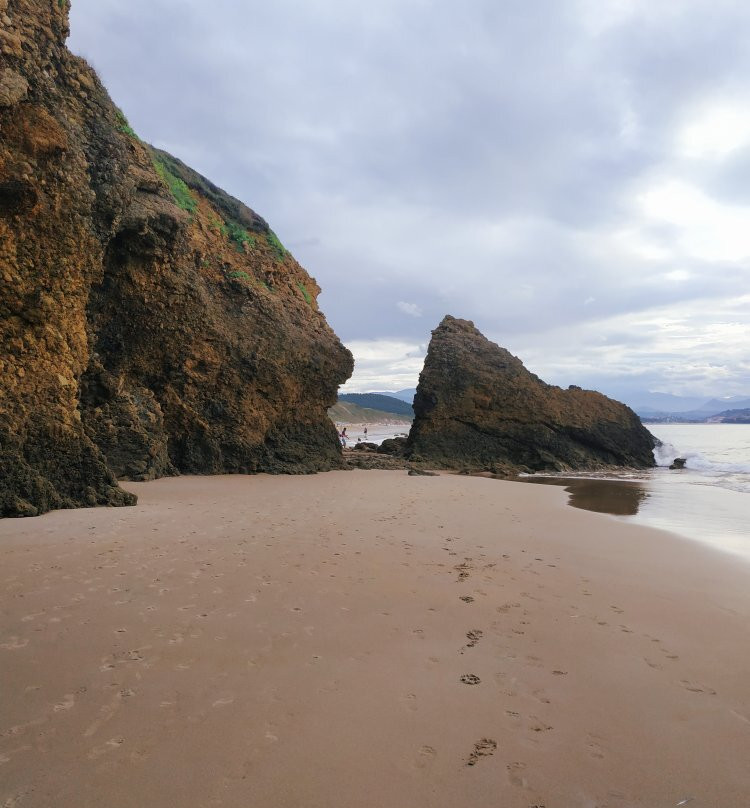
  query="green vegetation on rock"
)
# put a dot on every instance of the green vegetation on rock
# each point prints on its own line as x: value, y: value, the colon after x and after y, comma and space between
x: 239, y: 235
x: 277, y: 246
x: 305, y: 293
x: 217, y: 224
x: 181, y: 194
x: 122, y: 122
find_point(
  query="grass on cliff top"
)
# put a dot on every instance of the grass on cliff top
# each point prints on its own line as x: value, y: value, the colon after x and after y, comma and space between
x: 181, y: 194
x: 234, y: 219
x: 122, y: 122
x: 276, y: 245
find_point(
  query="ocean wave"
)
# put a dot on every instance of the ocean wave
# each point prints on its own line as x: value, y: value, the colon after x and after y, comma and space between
x: 665, y: 453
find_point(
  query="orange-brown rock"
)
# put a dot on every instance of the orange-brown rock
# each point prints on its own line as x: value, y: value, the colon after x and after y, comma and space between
x: 149, y: 322
x: 477, y: 407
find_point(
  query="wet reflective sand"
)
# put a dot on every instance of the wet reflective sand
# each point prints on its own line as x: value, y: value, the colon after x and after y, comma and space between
x: 616, y: 497
x: 674, y: 501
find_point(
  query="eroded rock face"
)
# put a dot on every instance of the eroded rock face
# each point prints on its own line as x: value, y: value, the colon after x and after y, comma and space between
x: 149, y: 322
x: 478, y: 407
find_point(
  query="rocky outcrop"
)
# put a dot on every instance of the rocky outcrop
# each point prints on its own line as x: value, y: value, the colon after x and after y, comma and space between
x: 477, y: 407
x: 149, y: 323
x: 393, y: 446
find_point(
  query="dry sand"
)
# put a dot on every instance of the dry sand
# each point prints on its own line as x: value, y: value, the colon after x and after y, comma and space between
x: 367, y: 639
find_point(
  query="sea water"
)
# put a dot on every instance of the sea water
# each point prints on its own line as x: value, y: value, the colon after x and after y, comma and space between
x: 716, y: 454
x: 707, y: 501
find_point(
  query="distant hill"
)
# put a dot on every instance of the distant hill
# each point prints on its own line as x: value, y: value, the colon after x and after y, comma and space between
x: 378, y: 401
x: 707, y: 411
x: 718, y: 406
x: 668, y: 407
x: 405, y: 395
x: 732, y: 417
x: 345, y: 412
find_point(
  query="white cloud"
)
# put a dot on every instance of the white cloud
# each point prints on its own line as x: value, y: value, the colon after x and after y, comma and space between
x: 384, y: 365
x: 447, y: 169
x: 705, y: 229
x: 715, y: 130
x: 412, y: 309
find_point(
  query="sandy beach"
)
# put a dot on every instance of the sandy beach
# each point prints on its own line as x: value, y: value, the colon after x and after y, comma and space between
x: 366, y: 638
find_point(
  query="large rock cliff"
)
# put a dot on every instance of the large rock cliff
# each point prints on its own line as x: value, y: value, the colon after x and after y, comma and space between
x: 149, y: 322
x: 477, y: 407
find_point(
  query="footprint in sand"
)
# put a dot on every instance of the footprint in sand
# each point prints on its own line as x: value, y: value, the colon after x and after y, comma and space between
x: 65, y: 705
x: 467, y: 598
x: 410, y: 700
x: 14, y: 644
x: 463, y: 571
x: 484, y: 748
x: 425, y: 756
x: 516, y: 774
x: 473, y: 636
x: 693, y: 687
x: 539, y: 726
x: 593, y: 747
x: 112, y: 743
x: 470, y: 679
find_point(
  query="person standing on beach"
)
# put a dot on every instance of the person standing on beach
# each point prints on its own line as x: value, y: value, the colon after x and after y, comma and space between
x: 365, y: 433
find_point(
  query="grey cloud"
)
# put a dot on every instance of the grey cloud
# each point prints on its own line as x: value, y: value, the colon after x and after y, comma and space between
x: 461, y: 161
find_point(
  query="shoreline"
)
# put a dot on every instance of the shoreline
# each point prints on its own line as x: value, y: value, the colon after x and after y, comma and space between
x: 302, y: 640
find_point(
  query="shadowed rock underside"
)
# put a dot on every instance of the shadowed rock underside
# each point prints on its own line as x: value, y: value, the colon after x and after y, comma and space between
x: 150, y: 324
x: 477, y: 407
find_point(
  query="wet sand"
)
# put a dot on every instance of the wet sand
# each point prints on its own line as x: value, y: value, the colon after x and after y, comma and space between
x: 715, y: 516
x: 367, y: 639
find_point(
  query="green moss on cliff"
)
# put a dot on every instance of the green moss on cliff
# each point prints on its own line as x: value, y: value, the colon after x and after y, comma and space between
x: 276, y: 245
x: 182, y: 195
x: 305, y: 293
x: 122, y: 122
x: 239, y: 235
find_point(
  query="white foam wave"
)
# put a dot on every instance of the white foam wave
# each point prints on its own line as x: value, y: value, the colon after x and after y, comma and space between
x: 665, y: 453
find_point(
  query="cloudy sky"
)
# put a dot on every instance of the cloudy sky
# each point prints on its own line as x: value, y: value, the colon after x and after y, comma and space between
x: 572, y: 175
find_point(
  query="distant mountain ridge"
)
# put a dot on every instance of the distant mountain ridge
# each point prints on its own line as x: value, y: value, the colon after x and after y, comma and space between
x: 714, y: 411
x: 731, y: 417
x: 405, y: 395
x: 346, y: 412
x: 664, y: 406
x: 379, y: 401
